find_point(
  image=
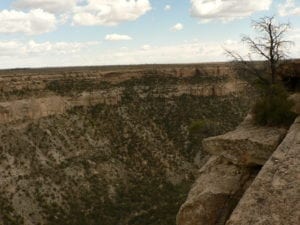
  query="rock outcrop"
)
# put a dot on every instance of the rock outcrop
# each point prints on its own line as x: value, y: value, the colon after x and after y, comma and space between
x: 274, y: 196
x: 237, y: 157
x: 247, y: 145
x: 36, y: 108
x: 215, y: 193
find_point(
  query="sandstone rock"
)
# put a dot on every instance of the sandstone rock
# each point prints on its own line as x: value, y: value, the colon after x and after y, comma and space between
x: 32, y: 108
x: 36, y: 108
x: 38, y: 79
x: 274, y: 196
x: 215, y: 193
x: 247, y: 145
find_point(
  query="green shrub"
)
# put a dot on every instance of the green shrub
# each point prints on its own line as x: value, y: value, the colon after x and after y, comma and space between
x: 205, y: 127
x: 274, y: 108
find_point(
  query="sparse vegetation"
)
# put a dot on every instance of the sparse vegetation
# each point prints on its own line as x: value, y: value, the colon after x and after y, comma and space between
x: 115, y: 164
x: 274, y: 109
x: 7, y: 214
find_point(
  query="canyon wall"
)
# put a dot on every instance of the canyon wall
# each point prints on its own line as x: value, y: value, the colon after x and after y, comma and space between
x: 35, y: 108
x: 90, y: 146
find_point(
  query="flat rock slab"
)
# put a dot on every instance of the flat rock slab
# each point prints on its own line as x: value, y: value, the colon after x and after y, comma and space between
x: 213, y: 196
x: 274, y: 196
x: 248, y: 145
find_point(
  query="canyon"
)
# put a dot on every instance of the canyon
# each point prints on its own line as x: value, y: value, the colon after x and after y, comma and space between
x: 133, y: 145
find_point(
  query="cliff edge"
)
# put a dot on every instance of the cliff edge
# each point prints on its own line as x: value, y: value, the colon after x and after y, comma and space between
x: 274, y: 196
x: 229, y: 190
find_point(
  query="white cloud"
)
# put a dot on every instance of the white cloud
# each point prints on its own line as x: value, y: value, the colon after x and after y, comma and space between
x: 124, y: 48
x: 57, y: 47
x: 117, y: 37
x: 289, y: 8
x: 294, y: 35
x: 54, y: 6
x: 109, y: 12
x: 187, y: 52
x: 167, y: 7
x: 41, y: 54
x: 8, y: 48
x: 146, y: 47
x: 89, y: 12
x: 34, y: 22
x: 177, y: 27
x: 227, y: 10
x: 17, y: 48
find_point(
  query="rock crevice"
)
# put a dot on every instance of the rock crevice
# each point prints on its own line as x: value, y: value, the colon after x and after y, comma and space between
x: 274, y: 196
x: 215, y: 193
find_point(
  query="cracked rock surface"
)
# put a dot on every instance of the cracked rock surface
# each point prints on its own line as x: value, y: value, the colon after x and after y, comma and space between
x: 274, y: 196
x: 215, y: 193
x: 247, y: 145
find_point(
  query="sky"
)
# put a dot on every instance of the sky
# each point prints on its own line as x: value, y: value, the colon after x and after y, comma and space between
x: 47, y: 33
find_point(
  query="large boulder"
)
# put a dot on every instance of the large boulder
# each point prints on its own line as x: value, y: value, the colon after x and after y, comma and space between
x: 215, y: 193
x: 248, y: 145
x: 274, y: 196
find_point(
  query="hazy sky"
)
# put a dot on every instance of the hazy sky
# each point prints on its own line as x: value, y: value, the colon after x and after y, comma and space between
x: 38, y: 33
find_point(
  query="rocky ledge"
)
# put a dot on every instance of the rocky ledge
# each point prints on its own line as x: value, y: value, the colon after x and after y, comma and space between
x: 215, y: 193
x: 228, y: 189
x: 248, y: 145
x: 274, y: 196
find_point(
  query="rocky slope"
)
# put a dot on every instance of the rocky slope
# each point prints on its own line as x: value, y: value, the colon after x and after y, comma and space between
x: 115, y: 148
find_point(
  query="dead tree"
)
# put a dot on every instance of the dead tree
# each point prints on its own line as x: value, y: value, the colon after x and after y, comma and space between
x: 270, y: 45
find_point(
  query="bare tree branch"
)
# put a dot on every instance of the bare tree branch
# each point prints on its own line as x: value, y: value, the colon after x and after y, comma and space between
x: 270, y: 45
x: 246, y: 65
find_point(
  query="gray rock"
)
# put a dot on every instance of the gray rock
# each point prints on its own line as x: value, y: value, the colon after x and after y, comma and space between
x: 215, y: 193
x: 248, y: 145
x: 274, y: 196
